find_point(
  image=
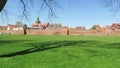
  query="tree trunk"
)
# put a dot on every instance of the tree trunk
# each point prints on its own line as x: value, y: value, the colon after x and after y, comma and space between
x: 2, y: 4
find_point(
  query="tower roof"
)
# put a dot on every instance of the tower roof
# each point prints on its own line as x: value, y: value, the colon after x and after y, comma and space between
x: 37, y: 21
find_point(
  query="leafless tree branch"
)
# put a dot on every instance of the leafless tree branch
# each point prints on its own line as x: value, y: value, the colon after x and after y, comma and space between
x: 2, y: 4
x: 49, y: 4
x: 4, y: 15
x: 114, y: 5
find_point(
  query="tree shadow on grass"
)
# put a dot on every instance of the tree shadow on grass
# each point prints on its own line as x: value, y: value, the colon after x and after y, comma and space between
x: 38, y: 47
x: 112, y: 45
x: 4, y: 42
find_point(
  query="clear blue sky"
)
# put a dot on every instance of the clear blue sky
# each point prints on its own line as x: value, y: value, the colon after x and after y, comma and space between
x: 73, y: 13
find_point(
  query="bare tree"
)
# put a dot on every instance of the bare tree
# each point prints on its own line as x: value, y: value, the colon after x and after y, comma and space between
x: 50, y: 4
x: 114, y: 5
x: 2, y: 4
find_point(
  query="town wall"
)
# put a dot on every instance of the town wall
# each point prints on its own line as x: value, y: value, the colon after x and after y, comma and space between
x: 82, y: 32
x: 17, y: 32
x: 115, y: 32
x: 5, y: 32
x: 13, y: 32
x: 47, y: 32
x: 63, y: 32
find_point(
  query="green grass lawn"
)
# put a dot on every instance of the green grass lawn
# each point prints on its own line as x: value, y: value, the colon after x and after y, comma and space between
x: 59, y: 51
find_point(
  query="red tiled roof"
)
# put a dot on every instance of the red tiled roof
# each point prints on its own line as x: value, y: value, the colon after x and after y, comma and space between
x: 43, y: 25
x: 115, y: 26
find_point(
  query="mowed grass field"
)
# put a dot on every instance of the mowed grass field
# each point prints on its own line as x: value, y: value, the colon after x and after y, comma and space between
x: 59, y: 51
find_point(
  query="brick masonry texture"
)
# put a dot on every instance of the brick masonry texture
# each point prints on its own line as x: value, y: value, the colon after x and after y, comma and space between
x: 63, y: 32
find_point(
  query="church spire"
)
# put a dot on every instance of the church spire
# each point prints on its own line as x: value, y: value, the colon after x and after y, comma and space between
x: 38, y: 21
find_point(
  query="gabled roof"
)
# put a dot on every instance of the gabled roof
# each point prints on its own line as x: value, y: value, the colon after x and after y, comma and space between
x: 19, y: 25
x: 16, y: 25
x: 3, y: 27
x: 115, y: 26
x: 11, y: 25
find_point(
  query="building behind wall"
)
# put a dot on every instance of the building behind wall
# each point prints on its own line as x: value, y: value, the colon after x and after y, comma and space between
x: 80, y: 28
x: 39, y: 28
x: 38, y: 25
x: 55, y: 26
x: 115, y: 26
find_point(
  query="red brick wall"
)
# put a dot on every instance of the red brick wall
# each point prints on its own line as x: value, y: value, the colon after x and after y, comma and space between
x: 64, y: 32
x: 5, y: 32
x: 115, y: 33
x: 13, y: 32
x: 47, y: 32
x: 82, y: 32
x: 17, y: 32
